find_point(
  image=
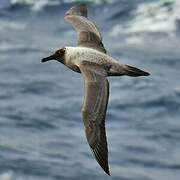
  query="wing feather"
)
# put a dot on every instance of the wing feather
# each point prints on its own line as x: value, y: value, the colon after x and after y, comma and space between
x: 88, y: 33
x: 94, y: 111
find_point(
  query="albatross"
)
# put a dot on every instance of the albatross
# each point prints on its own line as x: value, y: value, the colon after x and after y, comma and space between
x: 91, y: 60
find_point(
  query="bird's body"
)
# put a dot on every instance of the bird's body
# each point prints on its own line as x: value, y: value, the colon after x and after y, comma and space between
x: 91, y: 60
x: 74, y: 56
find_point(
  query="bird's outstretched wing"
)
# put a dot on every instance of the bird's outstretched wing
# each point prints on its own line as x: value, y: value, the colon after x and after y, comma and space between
x: 94, y: 110
x: 88, y: 33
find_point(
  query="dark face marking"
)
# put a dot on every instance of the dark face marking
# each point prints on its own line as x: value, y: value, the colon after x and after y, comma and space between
x: 60, y: 52
x: 59, y: 55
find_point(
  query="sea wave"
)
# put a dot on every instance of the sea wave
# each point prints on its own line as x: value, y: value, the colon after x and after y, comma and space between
x: 40, y: 4
x: 11, y: 25
x: 35, y: 5
x: 151, y: 17
x: 6, y: 175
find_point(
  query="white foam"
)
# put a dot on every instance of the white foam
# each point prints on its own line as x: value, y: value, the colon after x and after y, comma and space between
x: 94, y: 1
x: 151, y: 17
x: 7, y: 24
x: 133, y: 40
x: 6, y: 175
x: 37, y: 5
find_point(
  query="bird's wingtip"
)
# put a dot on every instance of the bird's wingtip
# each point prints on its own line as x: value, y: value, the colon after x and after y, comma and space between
x: 108, y: 172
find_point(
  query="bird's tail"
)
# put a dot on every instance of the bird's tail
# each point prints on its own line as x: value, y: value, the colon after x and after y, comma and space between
x: 133, y: 71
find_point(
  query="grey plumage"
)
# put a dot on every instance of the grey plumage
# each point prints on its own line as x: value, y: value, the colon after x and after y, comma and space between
x: 90, y: 59
x: 88, y: 33
x: 94, y: 111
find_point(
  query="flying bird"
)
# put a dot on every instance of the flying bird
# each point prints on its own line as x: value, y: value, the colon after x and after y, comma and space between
x: 91, y: 60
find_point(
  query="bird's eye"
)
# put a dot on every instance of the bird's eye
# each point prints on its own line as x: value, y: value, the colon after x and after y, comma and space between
x: 58, y: 52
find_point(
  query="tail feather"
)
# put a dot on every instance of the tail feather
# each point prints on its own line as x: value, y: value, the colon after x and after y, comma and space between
x: 133, y: 71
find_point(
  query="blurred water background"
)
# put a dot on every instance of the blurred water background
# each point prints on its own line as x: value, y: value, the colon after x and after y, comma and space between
x: 41, y: 134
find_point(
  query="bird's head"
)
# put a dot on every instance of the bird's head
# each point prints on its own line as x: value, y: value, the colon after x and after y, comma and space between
x: 59, y: 55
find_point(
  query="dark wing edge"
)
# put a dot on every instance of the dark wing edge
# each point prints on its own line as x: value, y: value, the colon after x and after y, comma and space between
x: 88, y: 33
x: 100, y: 151
x: 94, y: 111
x: 90, y: 40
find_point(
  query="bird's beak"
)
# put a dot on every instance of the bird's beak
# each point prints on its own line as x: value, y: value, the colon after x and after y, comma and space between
x: 52, y: 57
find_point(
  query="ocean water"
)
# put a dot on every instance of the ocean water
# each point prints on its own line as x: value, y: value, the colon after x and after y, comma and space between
x: 41, y: 133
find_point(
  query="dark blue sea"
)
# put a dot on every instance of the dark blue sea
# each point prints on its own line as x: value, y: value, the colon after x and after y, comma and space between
x: 41, y: 133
